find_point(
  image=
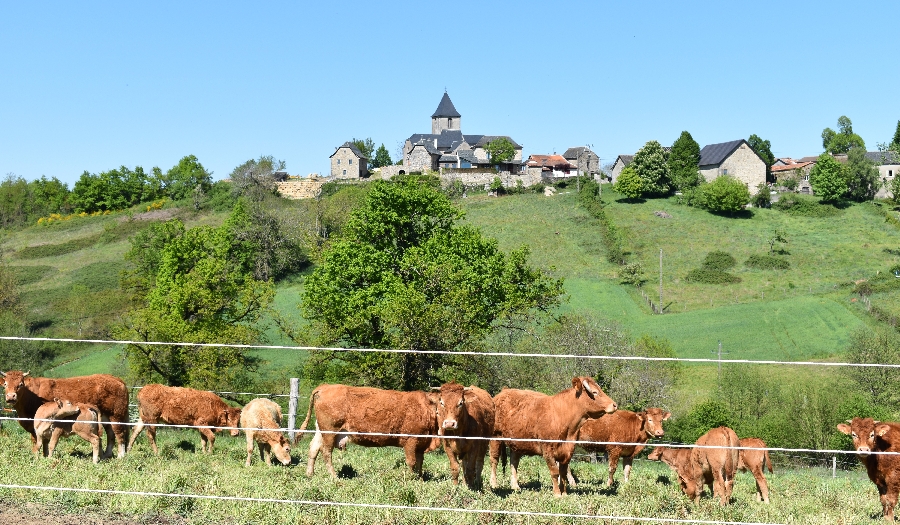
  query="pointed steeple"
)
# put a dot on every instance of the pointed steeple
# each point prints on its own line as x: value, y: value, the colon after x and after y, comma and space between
x: 445, y: 108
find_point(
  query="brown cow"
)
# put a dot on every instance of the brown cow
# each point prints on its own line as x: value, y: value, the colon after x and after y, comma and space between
x: 754, y: 461
x: 342, y: 408
x: 883, y: 470
x: 698, y: 466
x: 106, y: 392
x: 623, y: 426
x: 59, y: 418
x: 265, y: 414
x: 184, y: 406
x: 466, y: 412
x: 524, y: 414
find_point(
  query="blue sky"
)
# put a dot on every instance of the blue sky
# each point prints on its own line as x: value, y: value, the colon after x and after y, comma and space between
x: 93, y: 85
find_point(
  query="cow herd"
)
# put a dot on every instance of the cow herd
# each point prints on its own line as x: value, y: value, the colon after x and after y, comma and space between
x: 466, y: 421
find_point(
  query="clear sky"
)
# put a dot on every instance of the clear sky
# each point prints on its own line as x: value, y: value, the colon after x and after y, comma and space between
x: 94, y: 85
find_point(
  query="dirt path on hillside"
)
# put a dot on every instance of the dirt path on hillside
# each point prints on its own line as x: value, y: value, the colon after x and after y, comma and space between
x: 32, y: 514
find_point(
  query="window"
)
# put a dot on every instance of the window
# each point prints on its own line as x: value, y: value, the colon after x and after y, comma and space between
x: 339, y: 161
x: 350, y: 161
x: 450, y: 123
x: 725, y: 171
x: 345, y: 172
x: 890, y: 173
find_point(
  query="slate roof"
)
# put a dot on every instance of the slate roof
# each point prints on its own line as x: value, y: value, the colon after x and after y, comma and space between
x: 713, y: 154
x: 626, y: 159
x: 352, y: 147
x: 445, y: 108
x: 467, y: 155
x: 481, y: 140
x: 448, y: 158
x: 428, y: 145
x: 575, y: 153
x: 883, y: 158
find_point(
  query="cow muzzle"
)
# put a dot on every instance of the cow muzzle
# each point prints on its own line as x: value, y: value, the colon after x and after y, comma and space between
x: 612, y: 408
x: 11, y: 397
x: 862, y: 450
x: 450, y: 424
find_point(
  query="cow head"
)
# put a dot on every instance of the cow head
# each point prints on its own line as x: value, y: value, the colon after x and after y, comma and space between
x: 679, y: 460
x: 281, y: 448
x: 231, y: 418
x: 651, y: 421
x: 597, y: 402
x: 451, y: 406
x: 13, y: 383
x: 862, y: 430
x: 65, y: 409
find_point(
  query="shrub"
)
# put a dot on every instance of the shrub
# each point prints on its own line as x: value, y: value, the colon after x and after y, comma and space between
x: 709, y: 276
x: 719, y: 260
x: 30, y: 274
x: 763, y: 197
x: 51, y: 250
x: 629, y: 183
x: 725, y: 194
x: 767, y: 262
x: 497, y: 185
x: 802, y: 206
x: 703, y: 417
x: 632, y: 274
x: 790, y: 183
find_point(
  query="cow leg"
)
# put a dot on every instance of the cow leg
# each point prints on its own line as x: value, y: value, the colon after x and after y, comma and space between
x: 478, y: 461
x: 494, y: 453
x: 121, y: 434
x: 151, y: 436
x: 454, y: 464
x: 110, y: 439
x: 250, y: 440
x: 555, y: 469
x: 514, y: 469
x: 626, y: 467
x: 614, y: 453
x: 54, y: 439
x: 571, y: 478
x: 265, y: 453
x: 719, y: 488
x: 137, y: 430
x: 762, y: 488
x: 210, y: 439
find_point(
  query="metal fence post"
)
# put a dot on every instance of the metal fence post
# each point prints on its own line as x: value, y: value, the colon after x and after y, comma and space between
x: 833, y: 466
x: 292, y: 407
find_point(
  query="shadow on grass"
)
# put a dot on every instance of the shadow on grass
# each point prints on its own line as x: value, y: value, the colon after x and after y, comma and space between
x: 626, y: 200
x: 186, y: 446
x: 664, y: 480
x: 347, y: 472
x: 743, y: 214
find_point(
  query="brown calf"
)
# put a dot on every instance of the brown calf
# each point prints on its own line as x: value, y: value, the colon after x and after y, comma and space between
x: 465, y: 412
x: 184, y: 406
x: 623, y: 426
x: 265, y: 414
x: 67, y: 419
x: 106, y: 392
x: 524, y: 414
x: 754, y: 461
x: 698, y: 466
x: 883, y: 470
x: 342, y: 408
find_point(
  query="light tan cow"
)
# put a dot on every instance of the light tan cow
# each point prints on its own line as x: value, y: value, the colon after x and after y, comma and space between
x: 754, y: 461
x: 265, y: 414
x: 700, y: 465
x: 65, y: 419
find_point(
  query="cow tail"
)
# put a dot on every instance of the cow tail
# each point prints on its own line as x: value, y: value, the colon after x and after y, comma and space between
x: 503, y: 456
x: 768, y: 462
x: 312, y: 399
x: 730, y: 465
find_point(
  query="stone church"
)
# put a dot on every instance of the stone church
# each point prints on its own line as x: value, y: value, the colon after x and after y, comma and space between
x: 447, y: 147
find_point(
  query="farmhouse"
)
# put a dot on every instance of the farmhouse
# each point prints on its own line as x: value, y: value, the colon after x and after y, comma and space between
x: 619, y: 165
x: 796, y: 170
x: 888, y: 164
x: 583, y: 160
x: 735, y: 158
x: 347, y: 162
x: 549, y: 166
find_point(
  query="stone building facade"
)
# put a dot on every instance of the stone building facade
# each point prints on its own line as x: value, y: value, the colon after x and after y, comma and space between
x: 735, y: 158
x: 583, y: 160
x: 347, y: 162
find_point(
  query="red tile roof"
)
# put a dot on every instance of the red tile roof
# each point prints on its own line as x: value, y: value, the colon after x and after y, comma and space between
x: 549, y: 161
x: 788, y: 167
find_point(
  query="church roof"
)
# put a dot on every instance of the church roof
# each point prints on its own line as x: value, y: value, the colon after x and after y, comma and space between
x: 445, y: 108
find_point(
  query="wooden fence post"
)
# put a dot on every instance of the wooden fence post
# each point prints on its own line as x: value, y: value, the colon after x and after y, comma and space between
x: 292, y: 407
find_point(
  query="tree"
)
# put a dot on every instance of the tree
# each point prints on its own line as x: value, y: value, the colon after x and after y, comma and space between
x: 650, y: 165
x: 112, y: 190
x: 876, y: 345
x: 365, y: 146
x: 629, y: 183
x: 684, y: 162
x: 841, y: 141
x: 895, y: 142
x: 183, y: 178
x: 48, y: 196
x: 198, y: 288
x: 862, y: 176
x: 405, y: 275
x: 763, y: 148
x: 828, y: 178
x: 13, y: 201
x: 255, y: 179
x: 500, y: 150
x: 382, y: 157
x: 725, y: 194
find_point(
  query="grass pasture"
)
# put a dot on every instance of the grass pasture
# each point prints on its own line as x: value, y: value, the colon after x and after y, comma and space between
x: 380, y: 477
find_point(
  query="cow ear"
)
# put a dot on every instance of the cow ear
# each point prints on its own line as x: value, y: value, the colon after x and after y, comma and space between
x: 576, y: 384
x: 26, y: 374
x: 666, y: 416
x: 881, y: 430
x: 877, y: 423
x: 844, y: 429
x: 466, y: 388
x: 3, y: 374
x: 435, y: 389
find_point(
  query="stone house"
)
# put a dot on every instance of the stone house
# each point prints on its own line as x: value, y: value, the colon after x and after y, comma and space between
x: 583, y: 160
x: 447, y: 147
x: 888, y: 164
x: 347, y: 162
x: 549, y: 167
x: 793, y: 169
x: 735, y: 158
x: 621, y: 162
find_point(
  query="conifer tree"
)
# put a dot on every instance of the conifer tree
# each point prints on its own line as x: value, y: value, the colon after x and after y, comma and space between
x: 684, y: 162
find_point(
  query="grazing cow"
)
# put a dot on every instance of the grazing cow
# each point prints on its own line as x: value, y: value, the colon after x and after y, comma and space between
x: 342, y: 408
x: 883, y: 470
x: 67, y: 419
x: 106, y: 392
x: 184, y: 406
x: 698, y: 466
x: 265, y: 414
x: 524, y: 414
x: 622, y: 426
x: 754, y: 461
x: 465, y: 412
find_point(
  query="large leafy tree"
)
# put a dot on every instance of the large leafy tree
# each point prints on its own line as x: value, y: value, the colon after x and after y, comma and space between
x: 684, y: 162
x: 184, y: 178
x: 194, y: 286
x: 365, y: 146
x: 629, y: 184
x: 500, y: 150
x: 405, y: 275
x: 651, y: 166
x: 115, y: 189
x: 828, y: 178
x: 763, y: 148
x: 382, y: 157
x: 255, y: 178
x: 838, y: 142
x: 862, y: 176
